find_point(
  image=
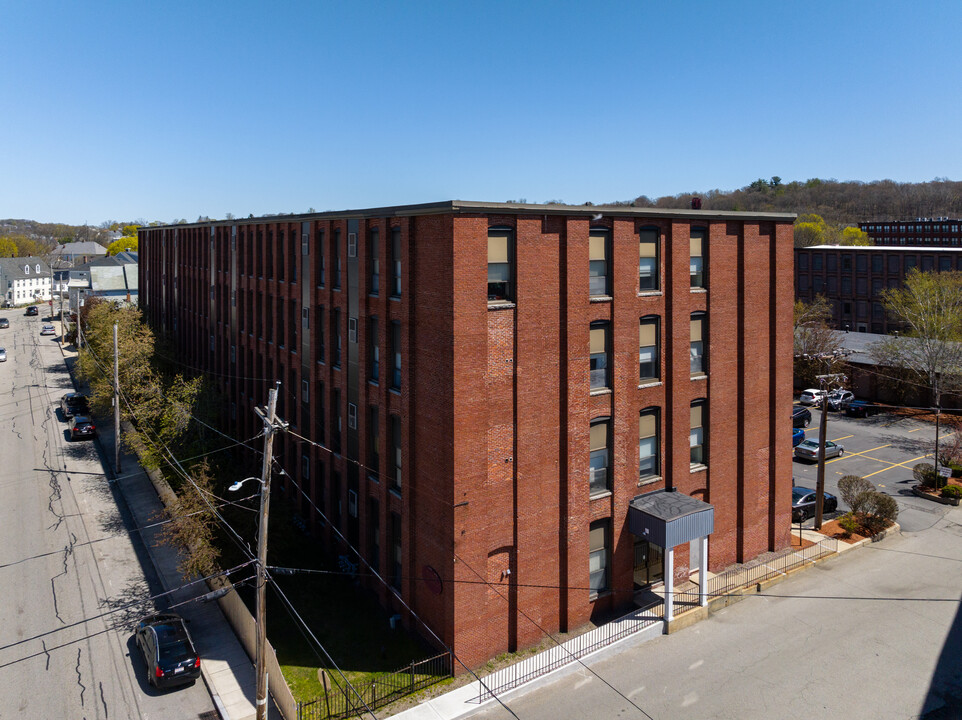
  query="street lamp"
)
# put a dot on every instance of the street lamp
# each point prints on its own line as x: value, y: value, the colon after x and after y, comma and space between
x: 237, y: 485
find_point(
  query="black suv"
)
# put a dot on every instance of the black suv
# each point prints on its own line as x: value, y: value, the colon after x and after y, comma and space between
x: 74, y: 404
x: 33, y: 310
x: 801, y: 416
x: 168, y: 650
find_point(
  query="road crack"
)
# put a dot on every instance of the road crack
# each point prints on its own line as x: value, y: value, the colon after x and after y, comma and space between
x: 83, y: 688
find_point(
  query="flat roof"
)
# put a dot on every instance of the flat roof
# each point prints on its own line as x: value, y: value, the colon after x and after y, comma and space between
x: 473, y: 207
x: 887, y: 248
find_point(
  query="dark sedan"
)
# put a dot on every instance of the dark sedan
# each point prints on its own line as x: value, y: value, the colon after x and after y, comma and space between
x: 33, y: 310
x: 168, y: 650
x: 4, y: 323
x: 81, y: 427
x: 803, y: 503
x: 801, y: 416
x: 861, y: 408
x: 74, y: 404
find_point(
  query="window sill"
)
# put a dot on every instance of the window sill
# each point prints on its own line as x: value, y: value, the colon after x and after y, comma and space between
x: 374, y: 479
x: 599, y: 495
x: 395, y: 491
x: 395, y: 391
x: 395, y: 297
x: 650, y: 293
x: 650, y: 384
x: 600, y: 298
x: 649, y: 480
x: 699, y: 290
x: 373, y: 383
x: 697, y: 467
x: 703, y: 376
x: 501, y: 305
x: 600, y: 391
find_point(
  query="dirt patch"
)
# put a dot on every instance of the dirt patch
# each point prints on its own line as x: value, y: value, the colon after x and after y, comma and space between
x: 834, y: 530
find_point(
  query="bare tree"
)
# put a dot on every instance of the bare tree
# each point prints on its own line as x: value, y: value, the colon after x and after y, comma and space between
x: 816, y: 346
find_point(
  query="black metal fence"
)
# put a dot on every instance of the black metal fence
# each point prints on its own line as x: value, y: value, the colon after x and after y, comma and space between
x: 345, y: 702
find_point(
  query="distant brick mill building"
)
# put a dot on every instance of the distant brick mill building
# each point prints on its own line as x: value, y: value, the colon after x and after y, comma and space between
x: 498, y: 395
x: 921, y: 232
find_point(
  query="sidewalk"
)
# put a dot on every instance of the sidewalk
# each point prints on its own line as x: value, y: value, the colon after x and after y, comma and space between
x: 225, y: 667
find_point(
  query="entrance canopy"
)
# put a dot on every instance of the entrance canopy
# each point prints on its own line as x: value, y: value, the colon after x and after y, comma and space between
x: 668, y: 519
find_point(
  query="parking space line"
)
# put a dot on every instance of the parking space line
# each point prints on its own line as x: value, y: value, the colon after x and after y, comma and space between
x: 844, y: 437
x: 895, y: 465
x: 916, y: 430
x: 858, y: 454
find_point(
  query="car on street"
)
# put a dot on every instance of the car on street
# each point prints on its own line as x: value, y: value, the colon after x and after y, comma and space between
x: 3, y: 355
x: 837, y: 399
x: 4, y: 323
x: 74, y: 404
x: 803, y: 503
x: 811, y: 396
x: 801, y: 417
x: 798, y: 436
x: 47, y: 329
x: 808, y: 450
x: 33, y: 310
x: 168, y: 651
x: 862, y: 408
x: 82, y: 426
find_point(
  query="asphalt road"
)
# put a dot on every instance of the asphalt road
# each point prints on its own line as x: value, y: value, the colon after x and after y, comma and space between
x: 883, y: 449
x: 70, y: 571
x: 874, y: 633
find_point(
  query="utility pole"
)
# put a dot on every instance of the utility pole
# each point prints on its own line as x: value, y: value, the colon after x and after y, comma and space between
x: 271, y: 425
x: 822, y: 432
x: 116, y: 404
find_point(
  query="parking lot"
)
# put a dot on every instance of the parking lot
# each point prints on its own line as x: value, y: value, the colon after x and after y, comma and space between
x: 882, y: 449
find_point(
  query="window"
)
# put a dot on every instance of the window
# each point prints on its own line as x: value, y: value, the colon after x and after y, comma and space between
x: 945, y: 263
x: 861, y: 286
x: 697, y: 242
x: 803, y: 261
x: 928, y: 263
x: 649, y: 363
x: 648, y: 443
x: 336, y: 337
x: 373, y: 443
x: 861, y: 263
x: 647, y: 259
x: 373, y: 351
x: 396, y: 262
x: 395, y: 355
x: 910, y: 262
x: 500, y: 251
x: 283, y: 254
x: 598, y: 461
x: 846, y: 262
x: 817, y: 262
x: 598, y: 557
x: 336, y: 249
x: 698, y: 364
x: 319, y: 335
x: 598, y: 252
x: 395, y: 578
x: 598, y: 338
x: 877, y: 261
x: 893, y: 264
x: 321, y: 266
x: 373, y: 263
x: 396, y: 452
x: 374, y: 534
x: 336, y: 426
x: 698, y: 456
x: 846, y: 285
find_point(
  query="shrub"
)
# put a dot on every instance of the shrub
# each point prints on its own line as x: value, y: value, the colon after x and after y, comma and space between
x: 956, y: 469
x: 881, y: 509
x: 925, y: 474
x: 848, y: 523
x: 854, y: 490
x: 952, y: 491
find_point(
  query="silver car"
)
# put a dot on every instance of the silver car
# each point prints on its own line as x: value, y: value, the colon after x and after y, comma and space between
x: 3, y: 355
x: 808, y: 450
x: 812, y: 396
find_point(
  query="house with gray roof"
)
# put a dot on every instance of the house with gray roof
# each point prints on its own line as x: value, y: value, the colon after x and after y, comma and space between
x: 24, y: 280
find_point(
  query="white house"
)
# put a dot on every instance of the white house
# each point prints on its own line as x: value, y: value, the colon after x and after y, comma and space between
x: 24, y: 280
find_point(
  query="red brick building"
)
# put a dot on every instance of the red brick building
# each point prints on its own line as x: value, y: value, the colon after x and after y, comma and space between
x: 489, y: 386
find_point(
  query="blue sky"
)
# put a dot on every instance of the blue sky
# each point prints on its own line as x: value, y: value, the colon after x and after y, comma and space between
x: 158, y: 111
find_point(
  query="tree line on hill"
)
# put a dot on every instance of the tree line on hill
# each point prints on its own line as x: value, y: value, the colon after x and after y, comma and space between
x: 26, y: 238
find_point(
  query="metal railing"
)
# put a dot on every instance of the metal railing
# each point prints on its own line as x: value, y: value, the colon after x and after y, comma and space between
x: 343, y: 702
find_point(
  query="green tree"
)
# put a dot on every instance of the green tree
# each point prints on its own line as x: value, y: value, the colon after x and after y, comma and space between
x: 122, y: 244
x: 8, y: 247
x: 129, y: 230
x: 854, y: 236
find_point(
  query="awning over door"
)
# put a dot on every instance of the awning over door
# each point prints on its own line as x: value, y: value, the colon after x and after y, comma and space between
x: 669, y: 519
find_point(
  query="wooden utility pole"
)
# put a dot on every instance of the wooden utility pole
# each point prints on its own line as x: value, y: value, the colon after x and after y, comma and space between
x: 824, y: 380
x: 116, y: 404
x: 271, y: 426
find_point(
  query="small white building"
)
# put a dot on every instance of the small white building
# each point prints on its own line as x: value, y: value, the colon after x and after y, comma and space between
x: 24, y: 280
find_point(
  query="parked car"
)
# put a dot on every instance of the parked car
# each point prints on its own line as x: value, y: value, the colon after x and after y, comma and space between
x: 837, y: 399
x: 47, y: 329
x: 862, y: 408
x: 33, y: 310
x: 3, y: 355
x: 801, y: 417
x: 803, y: 503
x: 168, y: 650
x: 808, y: 450
x: 811, y: 396
x: 82, y: 426
x: 798, y: 435
x: 74, y: 404
x: 4, y: 323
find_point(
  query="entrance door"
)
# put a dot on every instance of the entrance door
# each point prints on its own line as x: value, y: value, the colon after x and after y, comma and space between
x: 649, y: 565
